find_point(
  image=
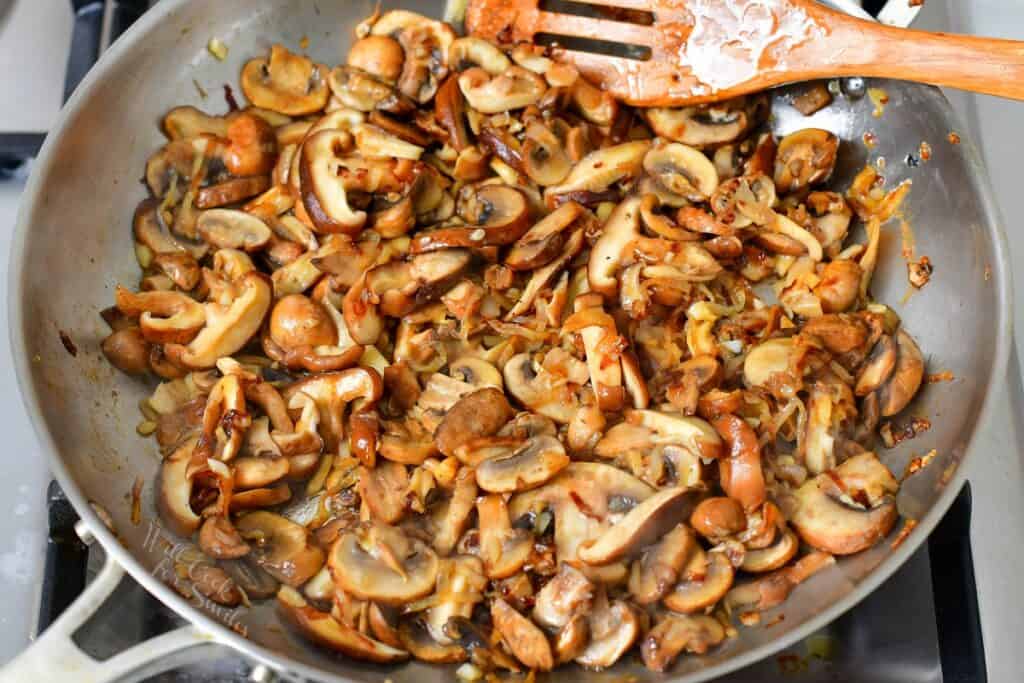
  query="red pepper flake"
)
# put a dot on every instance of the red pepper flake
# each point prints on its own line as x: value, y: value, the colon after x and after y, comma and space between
x: 918, y: 463
x: 953, y: 138
x: 908, y: 526
x: 936, y: 377
x: 229, y: 97
x: 69, y: 345
x: 925, y: 151
x: 870, y: 140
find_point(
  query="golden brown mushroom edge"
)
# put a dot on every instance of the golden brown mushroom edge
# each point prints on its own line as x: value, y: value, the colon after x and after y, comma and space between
x: 462, y: 360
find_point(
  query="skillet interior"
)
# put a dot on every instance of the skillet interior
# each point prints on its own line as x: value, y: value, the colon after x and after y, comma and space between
x: 74, y: 244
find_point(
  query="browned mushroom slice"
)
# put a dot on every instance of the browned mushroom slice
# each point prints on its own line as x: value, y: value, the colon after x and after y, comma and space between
x: 620, y: 230
x: 504, y: 550
x: 380, y: 563
x: 741, y: 475
x: 257, y: 584
x: 189, y: 122
x: 453, y: 515
x: 514, y: 88
x: 164, y: 317
x: 718, y: 517
x: 691, y: 433
x: 772, y: 589
x: 676, y: 633
x: 426, y: 44
x: 231, y: 191
x: 600, y: 169
x: 379, y: 56
x: 230, y: 229
x: 712, y: 576
x: 324, y: 195
x: 545, y: 160
x: 228, y: 328
x: 281, y: 547
x: 383, y: 488
x: 572, y: 640
x: 219, y: 539
x: 382, y: 623
x: 527, y: 642
x: 332, y: 392
x: 657, y: 570
x: 260, y: 498
x: 285, y: 83
x: 325, y: 630
x: 806, y: 157
x: 215, y: 584
x: 682, y: 171
x: 878, y: 367
x: 544, y: 242
x: 906, y: 378
x: 598, y: 331
x: 460, y: 585
x: 127, y: 350
x: 262, y: 470
x: 174, y: 491
x: 839, y: 286
x: 768, y: 359
x: 641, y: 526
x: 481, y: 413
x: 708, y: 125
x: 744, y: 201
x: 567, y: 594
x: 774, y: 556
x: 614, y: 628
x: 531, y: 465
x: 847, y: 509
x: 539, y: 390
x: 416, y: 639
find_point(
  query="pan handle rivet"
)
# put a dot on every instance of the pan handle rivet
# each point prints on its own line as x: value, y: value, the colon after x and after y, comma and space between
x: 261, y: 673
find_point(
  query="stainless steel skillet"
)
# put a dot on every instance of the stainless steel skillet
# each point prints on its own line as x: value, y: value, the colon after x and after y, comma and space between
x: 72, y: 246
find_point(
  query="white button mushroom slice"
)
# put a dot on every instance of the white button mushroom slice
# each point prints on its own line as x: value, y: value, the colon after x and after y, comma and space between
x: 657, y: 569
x: 544, y: 242
x: 470, y: 51
x: 321, y: 586
x: 453, y: 515
x: 766, y: 360
x: 383, y: 488
x: 906, y: 377
x: 834, y: 519
x: 416, y: 639
x: 565, y: 595
x: 542, y: 277
x: 259, y: 498
x: 713, y: 576
x: 544, y: 157
x: 682, y: 170
x: 806, y: 157
x: 257, y: 471
x: 514, y: 88
x: 228, y: 328
x: 286, y: 83
x: 531, y: 465
x: 174, y: 491
x: 281, y: 547
x: 219, y: 539
x: 595, y: 105
x: 504, y: 550
x: 620, y: 230
x: 526, y: 642
x: 539, y: 390
x: 380, y: 563
x: 150, y: 231
x: 303, y: 438
x: 460, y: 585
x: 708, y: 125
x: 744, y: 201
x: 332, y: 392
x: 225, y: 421
x: 774, y: 556
x: 598, y: 331
x: 476, y: 372
x: 772, y: 589
x: 189, y: 122
x: 323, y: 191
x: 788, y: 227
x: 164, y: 317
x: 572, y: 639
x: 614, y: 628
x: 374, y: 141
x: 231, y: 229
x: 676, y: 633
x: 323, y: 629
x: 426, y: 44
x: 602, y: 168
x: 641, y: 526
x: 691, y: 433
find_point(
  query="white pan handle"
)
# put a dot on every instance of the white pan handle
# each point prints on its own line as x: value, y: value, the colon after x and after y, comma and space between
x: 55, y: 656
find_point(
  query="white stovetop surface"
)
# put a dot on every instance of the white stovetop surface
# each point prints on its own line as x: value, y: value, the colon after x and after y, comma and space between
x: 996, y: 471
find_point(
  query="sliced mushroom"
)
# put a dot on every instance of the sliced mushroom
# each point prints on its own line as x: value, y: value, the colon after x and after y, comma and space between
x: 383, y: 488
x: 513, y: 88
x: 426, y: 44
x: 219, y: 539
x: 189, y: 122
x: 772, y: 589
x: 768, y: 359
x: 740, y: 474
x: 839, y: 286
x: 614, y: 628
x: 174, y: 492
x: 544, y: 242
x: 324, y: 194
x: 256, y: 471
x: 453, y: 515
x: 774, y: 556
x: 285, y: 83
x: 150, y: 231
x: 674, y: 634
x: 682, y: 170
x: 744, y: 201
x: 380, y: 563
x: 691, y: 433
x: 906, y: 377
x: 504, y: 550
x: 460, y: 585
x: 711, y: 576
x: 565, y: 596
x: 257, y: 584
x: 641, y: 526
x: 281, y: 547
x: 657, y: 569
x: 806, y: 157
x: 527, y: 642
x: 227, y: 228
x: 708, y: 125
x: 332, y: 392
x: 127, y: 350
x: 878, y: 367
x: 545, y: 159
x: 379, y: 56
x: 620, y: 230
x: 481, y: 413
x: 531, y: 465
x: 602, y: 168
x: 848, y: 509
x: 572, y: 640
x: 468, y: 52
x: 539, y: 390
x: 164, y: 317
x: 417, y: 640
x: 325, y: 630
x: 595, y: 105
x: 374, y: 141
x: 496, y: 215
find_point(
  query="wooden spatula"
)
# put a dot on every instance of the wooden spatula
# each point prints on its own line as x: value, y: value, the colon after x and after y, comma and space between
x: 710, y: 50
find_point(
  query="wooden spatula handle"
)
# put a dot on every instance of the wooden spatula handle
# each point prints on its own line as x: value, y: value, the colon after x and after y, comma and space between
x: 859, y: 48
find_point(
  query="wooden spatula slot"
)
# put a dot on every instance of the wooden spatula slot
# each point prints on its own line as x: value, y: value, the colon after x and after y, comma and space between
x: 639, y: 53
x: 580, y: 8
